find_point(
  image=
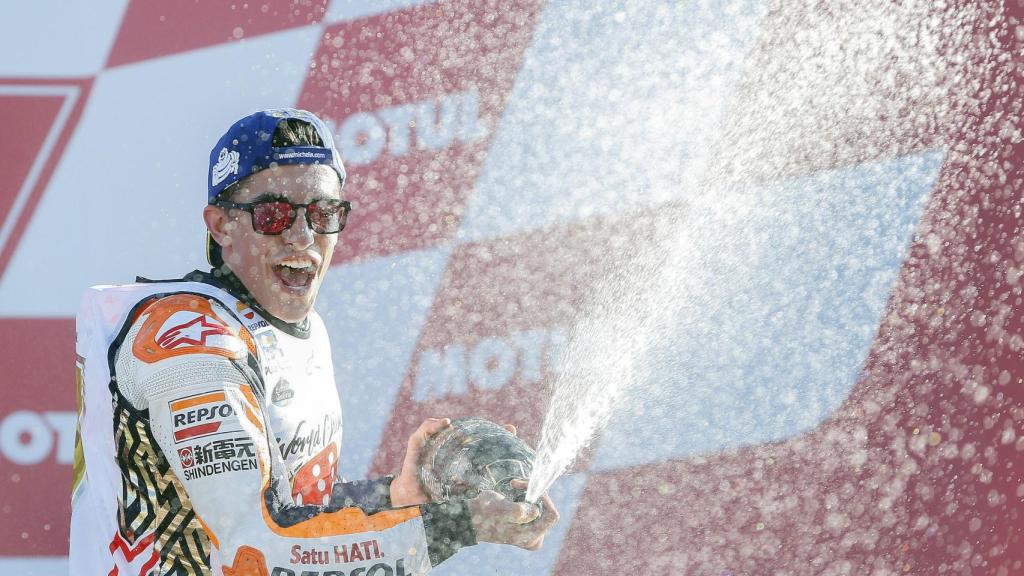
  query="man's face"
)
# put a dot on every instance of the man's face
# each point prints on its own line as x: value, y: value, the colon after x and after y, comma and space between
x: 283, y: 272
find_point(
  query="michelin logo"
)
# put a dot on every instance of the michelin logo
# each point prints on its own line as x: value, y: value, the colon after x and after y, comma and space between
x: 227, y: 164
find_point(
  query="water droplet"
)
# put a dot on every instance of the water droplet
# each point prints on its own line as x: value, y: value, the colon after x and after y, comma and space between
x: 981, y: 393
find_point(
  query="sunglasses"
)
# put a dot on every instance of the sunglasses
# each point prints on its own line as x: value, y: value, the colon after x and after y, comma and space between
x: 273, y: 216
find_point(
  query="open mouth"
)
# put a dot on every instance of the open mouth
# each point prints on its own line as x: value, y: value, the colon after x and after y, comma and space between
x: 295, y: 273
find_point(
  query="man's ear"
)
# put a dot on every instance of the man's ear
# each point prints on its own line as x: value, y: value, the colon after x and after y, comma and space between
x: 217, y: 223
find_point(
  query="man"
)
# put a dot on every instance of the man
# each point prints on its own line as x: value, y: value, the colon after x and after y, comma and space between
x: 210, y: 426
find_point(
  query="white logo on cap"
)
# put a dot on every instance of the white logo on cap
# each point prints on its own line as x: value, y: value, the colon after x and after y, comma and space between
x: 227, y: 164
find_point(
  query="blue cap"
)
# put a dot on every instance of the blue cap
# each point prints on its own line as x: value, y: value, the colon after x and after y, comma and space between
x: 246, y: 148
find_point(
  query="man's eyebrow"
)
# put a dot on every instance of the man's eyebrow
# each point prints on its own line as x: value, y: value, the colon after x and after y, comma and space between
x: 269, y: 196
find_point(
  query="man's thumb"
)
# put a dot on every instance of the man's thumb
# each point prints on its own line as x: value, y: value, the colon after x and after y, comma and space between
x: 528, y: 512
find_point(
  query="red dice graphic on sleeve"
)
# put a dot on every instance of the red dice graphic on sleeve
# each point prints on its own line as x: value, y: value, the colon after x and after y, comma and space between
x: 313, y: 481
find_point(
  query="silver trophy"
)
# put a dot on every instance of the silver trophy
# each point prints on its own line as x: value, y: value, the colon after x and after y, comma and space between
x: 471, y: 455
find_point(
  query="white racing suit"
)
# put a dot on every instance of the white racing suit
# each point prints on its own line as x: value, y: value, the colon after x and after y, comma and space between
x: 209, y: 438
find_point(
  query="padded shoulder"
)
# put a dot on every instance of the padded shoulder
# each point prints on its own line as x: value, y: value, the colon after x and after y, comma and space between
x: 182, y: 324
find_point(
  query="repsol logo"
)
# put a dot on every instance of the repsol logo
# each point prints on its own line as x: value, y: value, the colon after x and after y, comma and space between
x: 380, y: 569
x: 489, y: 364
x: 254, y: 326
x: 203, y: 414
x: 430, y: 124
x: 28, y: 437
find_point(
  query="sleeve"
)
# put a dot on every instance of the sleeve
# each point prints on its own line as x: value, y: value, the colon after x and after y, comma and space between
x: 196, y: 374
x: 370, y: 496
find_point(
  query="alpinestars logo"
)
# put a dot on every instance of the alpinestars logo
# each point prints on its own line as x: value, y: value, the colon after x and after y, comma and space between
x: 192, y: 333
x: 227, y: 164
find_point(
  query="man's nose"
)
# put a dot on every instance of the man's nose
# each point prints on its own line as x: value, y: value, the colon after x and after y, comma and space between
x: 299, y: 234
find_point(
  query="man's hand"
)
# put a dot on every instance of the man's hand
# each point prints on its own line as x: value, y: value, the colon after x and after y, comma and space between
x: 502, y: 521
x: 405, y: 488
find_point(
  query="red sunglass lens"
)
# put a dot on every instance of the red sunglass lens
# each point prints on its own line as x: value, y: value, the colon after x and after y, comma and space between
x: 325, y: 217
x: 271, y: 217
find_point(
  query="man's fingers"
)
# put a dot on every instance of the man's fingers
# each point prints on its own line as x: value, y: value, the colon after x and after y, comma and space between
x: 419, y: 438
x: 434, y: 425
x: 428, y: 428
x: 520, y: 484
x: 527, y: 513
x: 497, y: 519
x: 511, y: 428
x: 550, y: 516
x: 431, y: 426
x: 535, y: 544
x: 499, y: 508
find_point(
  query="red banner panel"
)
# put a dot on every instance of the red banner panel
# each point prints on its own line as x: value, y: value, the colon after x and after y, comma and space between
x: 416, y: 96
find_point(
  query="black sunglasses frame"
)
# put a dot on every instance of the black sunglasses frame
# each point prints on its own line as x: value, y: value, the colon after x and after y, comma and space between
x: 345, y: 206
